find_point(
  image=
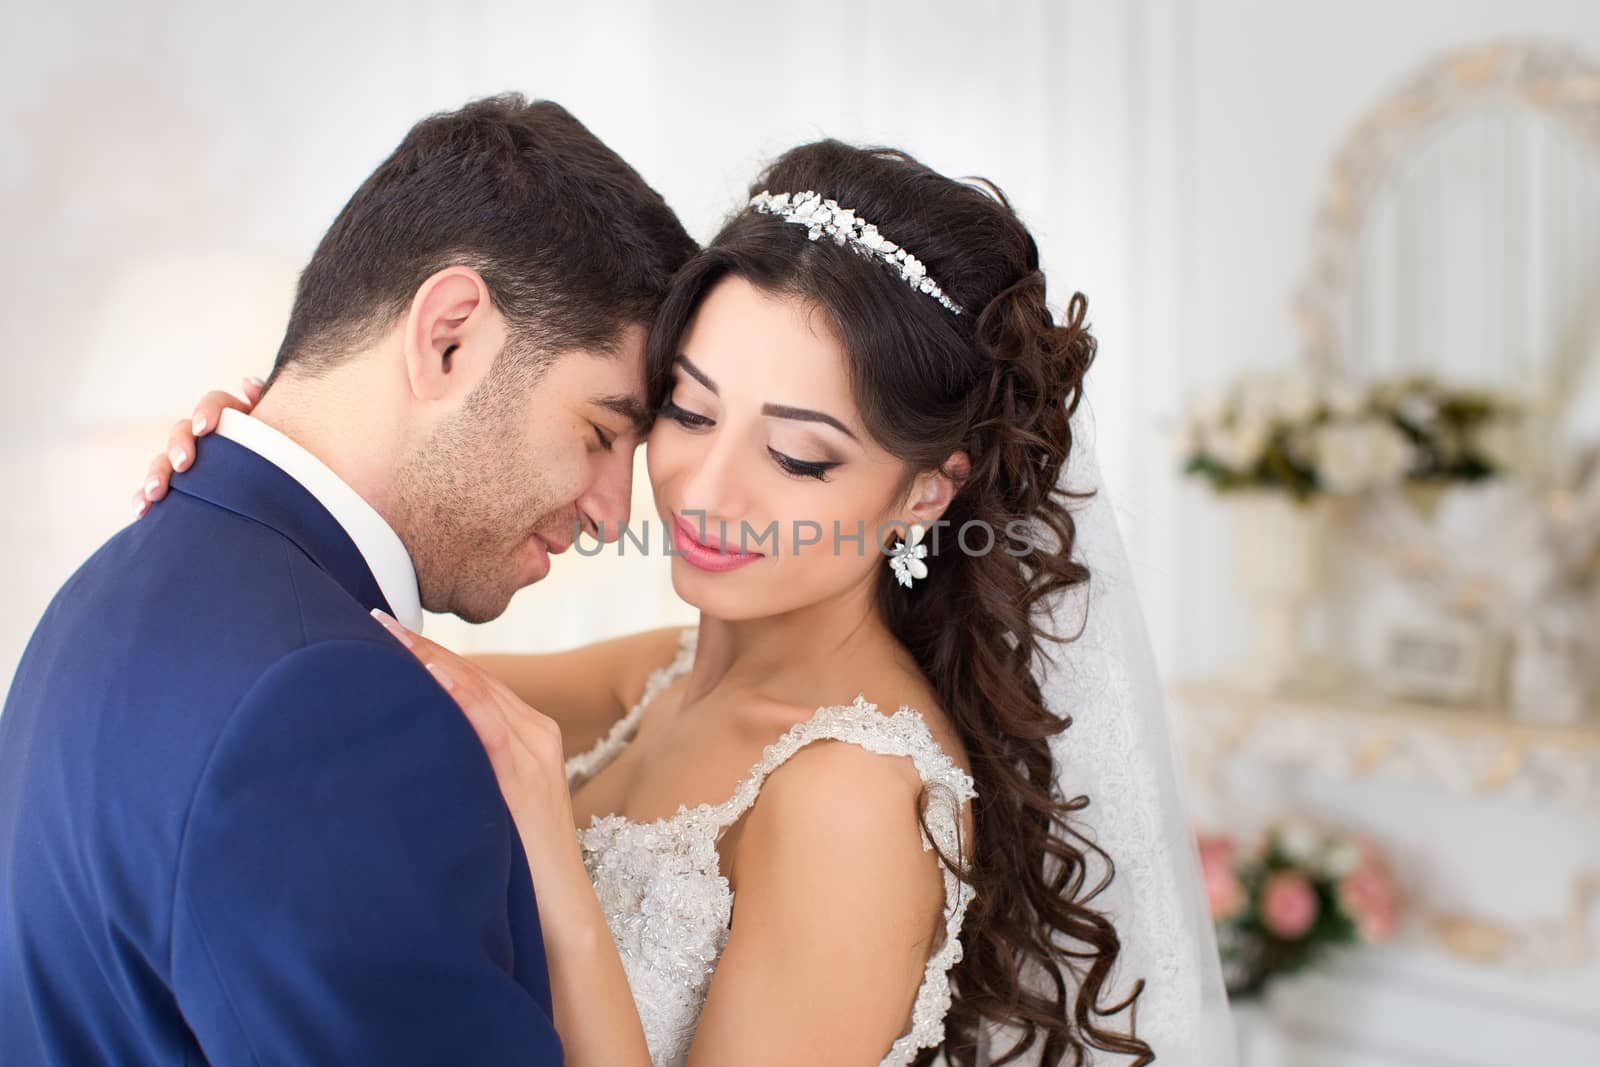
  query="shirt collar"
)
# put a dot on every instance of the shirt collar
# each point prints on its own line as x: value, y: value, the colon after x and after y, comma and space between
x: 385, y: 554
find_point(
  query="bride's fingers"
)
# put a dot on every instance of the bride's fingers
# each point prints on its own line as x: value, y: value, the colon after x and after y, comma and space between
x: 486, y: 720
x: 504, y: 722
x: 400, y: 633
x: 158, y: 478
x: 155, y: 483
x: 457, y: 676
x: 181, y: 441
x: 180, y: 445
x: 209, y: 411
x: 496, y: 728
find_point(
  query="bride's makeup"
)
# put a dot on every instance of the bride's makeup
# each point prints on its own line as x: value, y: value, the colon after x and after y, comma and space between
x: 713, y: 556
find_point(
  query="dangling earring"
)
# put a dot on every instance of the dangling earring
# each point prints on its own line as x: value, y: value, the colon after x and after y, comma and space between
x: 906, y: 557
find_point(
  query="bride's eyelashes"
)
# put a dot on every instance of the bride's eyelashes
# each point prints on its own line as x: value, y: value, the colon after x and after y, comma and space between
x: 684, y: 417
x: 799, y: 468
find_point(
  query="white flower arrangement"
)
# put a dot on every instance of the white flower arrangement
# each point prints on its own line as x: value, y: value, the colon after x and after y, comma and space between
x: 1294, y: 434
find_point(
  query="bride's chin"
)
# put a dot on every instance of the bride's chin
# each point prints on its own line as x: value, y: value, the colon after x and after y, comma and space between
x: 711, y: 593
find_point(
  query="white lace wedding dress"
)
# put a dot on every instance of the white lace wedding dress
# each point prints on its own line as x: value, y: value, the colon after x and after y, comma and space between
x: 670, y: 908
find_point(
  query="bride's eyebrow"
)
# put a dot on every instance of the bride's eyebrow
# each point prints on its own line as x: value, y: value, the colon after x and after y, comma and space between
x: 696, y: 373
x: 780, y: 411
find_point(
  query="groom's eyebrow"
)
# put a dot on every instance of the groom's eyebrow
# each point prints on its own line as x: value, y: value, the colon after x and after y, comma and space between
x: 630, y: 408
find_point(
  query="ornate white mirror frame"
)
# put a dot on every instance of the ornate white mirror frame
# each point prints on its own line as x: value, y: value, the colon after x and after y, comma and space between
x: 1551, y: 80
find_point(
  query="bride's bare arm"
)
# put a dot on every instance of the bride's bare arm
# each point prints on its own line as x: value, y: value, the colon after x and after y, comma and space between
x: 838, y: 906
x: 587, y: 689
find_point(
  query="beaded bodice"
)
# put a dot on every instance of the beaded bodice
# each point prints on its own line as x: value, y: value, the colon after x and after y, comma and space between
x: 669, y: 907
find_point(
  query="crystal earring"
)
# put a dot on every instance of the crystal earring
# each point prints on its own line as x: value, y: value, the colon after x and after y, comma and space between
x: 906, y: 558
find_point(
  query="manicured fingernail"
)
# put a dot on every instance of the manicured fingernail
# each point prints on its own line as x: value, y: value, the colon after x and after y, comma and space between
x: 388, y: 622
x: 151, y: 486
x: 179, y: 458
x: 140, y: 506
x: 440, y: 677
x: 256, y: 383
x: 199, y: 424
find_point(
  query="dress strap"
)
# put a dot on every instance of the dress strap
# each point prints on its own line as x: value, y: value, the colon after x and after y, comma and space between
x: 586, y: 765
x: 905, y: 734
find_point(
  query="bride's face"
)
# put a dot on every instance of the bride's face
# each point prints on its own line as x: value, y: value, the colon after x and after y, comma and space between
x: 761, y: 450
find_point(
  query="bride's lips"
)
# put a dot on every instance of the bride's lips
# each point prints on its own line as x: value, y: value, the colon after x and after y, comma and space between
x: 686, y: 543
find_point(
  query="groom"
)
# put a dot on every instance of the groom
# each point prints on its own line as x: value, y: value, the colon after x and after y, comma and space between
x: 239, y: 823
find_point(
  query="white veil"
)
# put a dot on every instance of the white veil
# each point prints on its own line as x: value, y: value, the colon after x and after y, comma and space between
x: 1119, y: 752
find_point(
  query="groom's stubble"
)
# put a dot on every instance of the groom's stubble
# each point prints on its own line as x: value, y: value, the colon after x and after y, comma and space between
x: 470, y: 497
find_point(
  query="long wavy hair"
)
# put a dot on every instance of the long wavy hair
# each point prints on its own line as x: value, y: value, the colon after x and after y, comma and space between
x: 999, y: 382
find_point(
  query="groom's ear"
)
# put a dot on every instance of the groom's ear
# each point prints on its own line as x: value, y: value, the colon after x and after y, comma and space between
x: 452, y: 334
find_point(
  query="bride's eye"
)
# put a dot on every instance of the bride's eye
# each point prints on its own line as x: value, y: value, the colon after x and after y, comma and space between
x: 683, y: 417
x: 802, y: 468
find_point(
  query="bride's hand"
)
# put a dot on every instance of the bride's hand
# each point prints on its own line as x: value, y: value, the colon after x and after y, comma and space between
x: 180, y: 444
x: 524, y: 746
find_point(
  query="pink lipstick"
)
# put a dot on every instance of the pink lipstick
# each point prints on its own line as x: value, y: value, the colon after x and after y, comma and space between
x: 686, y: 543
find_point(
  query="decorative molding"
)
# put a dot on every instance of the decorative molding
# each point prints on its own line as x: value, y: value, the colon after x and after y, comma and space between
x: 1472, y: 752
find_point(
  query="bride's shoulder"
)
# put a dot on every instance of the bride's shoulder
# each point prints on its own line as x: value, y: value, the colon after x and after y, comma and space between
x: 830, y: 794
x: 848, y: 739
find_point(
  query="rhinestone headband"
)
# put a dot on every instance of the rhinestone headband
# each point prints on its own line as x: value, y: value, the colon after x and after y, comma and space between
x: 821, y: 216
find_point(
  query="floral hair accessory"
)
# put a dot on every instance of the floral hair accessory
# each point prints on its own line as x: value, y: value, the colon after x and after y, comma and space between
x: 820, y: 216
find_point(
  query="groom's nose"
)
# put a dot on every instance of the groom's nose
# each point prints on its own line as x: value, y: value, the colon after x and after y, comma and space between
x: 603, y: 508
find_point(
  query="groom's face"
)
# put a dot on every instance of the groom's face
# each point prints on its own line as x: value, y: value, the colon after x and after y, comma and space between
x: 505, y: 483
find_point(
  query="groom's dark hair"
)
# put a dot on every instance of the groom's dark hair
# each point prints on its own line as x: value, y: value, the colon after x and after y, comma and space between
x: 571, y: 242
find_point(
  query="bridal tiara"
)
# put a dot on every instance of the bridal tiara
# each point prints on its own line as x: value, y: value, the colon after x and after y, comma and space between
x: 821, y: 216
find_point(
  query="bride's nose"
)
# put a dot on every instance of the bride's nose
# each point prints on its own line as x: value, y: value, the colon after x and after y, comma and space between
x: 717, y: 479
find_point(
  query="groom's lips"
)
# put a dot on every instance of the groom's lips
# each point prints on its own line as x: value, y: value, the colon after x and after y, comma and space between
x: 541, y: 559
x: 555, y: 548
x: 715, y: 558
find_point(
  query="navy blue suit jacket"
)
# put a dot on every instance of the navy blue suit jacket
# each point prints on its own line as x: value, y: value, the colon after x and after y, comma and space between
x: 240, y: 824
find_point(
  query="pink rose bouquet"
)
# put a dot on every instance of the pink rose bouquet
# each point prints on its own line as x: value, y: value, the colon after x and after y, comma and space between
x: 1279, y: 905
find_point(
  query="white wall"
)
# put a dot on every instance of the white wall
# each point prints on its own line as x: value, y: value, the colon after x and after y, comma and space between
x: 1167, y: 155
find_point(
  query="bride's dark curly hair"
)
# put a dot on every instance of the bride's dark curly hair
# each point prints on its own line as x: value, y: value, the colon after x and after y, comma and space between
x: 999, y: 382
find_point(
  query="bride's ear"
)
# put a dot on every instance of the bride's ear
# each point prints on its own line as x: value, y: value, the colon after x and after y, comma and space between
x: 932, y: 491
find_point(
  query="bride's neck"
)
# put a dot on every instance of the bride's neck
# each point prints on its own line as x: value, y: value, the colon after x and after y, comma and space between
x: 808, y: 642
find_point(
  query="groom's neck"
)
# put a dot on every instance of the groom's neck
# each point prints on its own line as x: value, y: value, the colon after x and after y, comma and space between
x: 342, y: 418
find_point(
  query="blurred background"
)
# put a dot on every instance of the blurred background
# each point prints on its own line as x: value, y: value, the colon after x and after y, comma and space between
x: 1344, y: 263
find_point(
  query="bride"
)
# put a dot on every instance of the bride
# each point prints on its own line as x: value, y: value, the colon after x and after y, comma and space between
x: 830, y: 822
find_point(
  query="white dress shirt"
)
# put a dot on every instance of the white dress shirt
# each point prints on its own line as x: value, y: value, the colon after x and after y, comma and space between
x: 374, y: 538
